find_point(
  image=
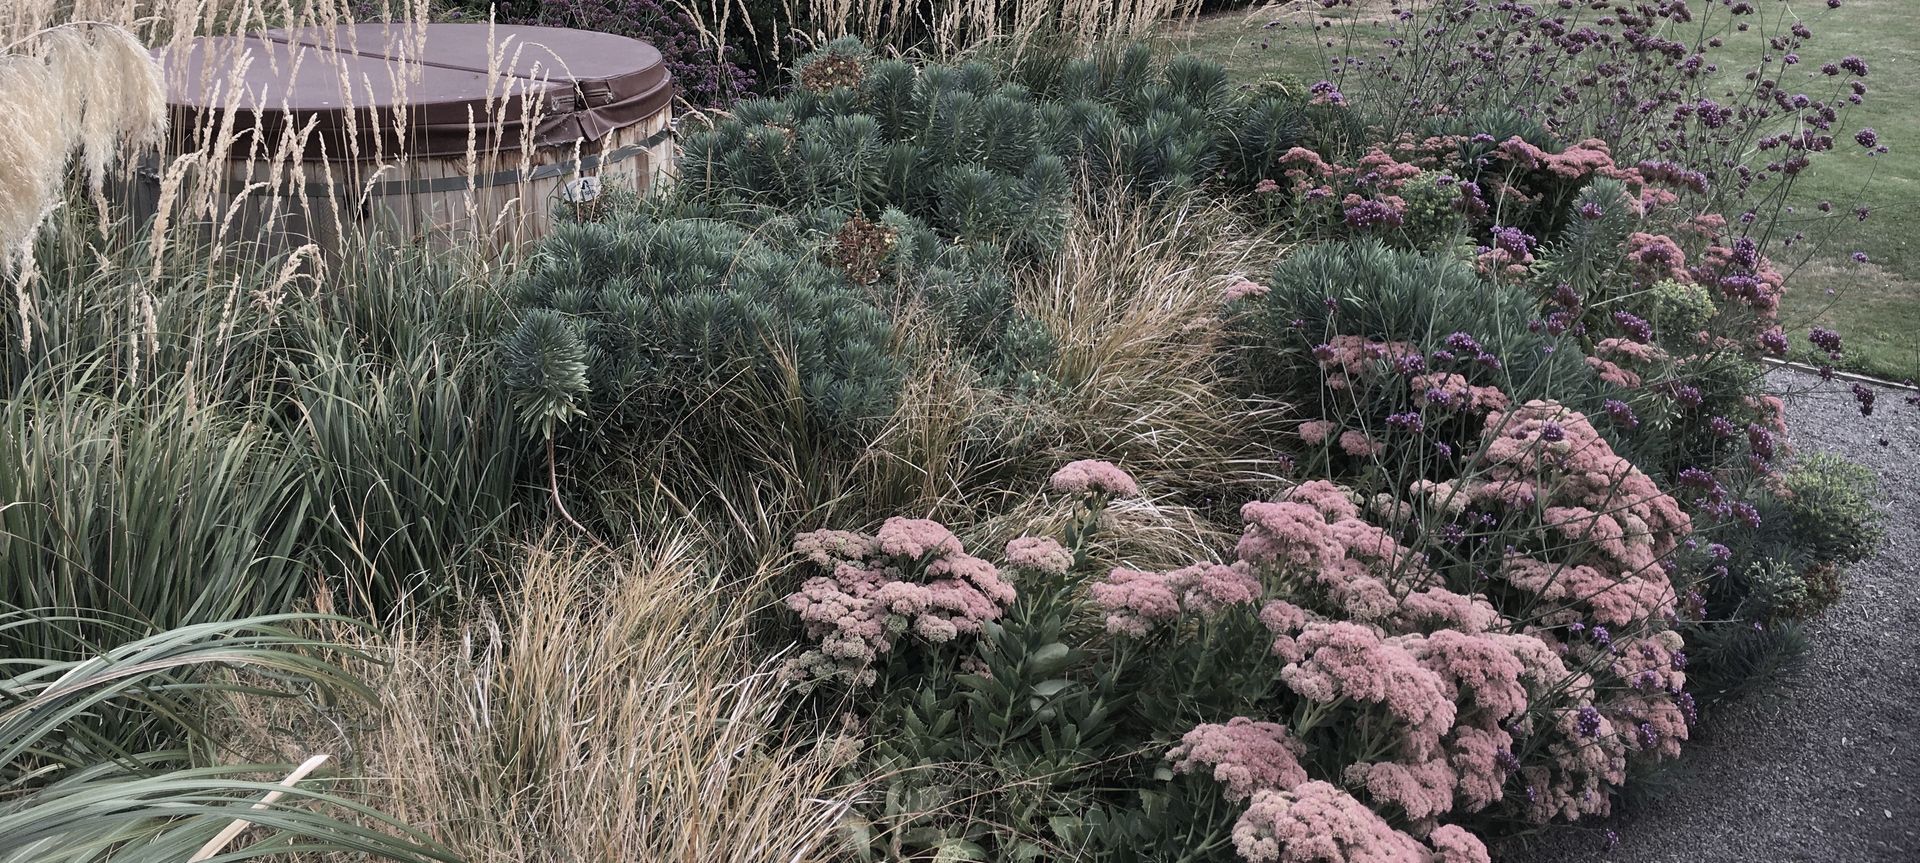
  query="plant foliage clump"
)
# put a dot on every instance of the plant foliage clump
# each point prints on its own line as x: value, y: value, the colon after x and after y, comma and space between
x: 643, y: 323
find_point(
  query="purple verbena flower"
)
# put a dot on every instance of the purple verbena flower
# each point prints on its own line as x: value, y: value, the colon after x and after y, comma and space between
x: 1588, y: 722
x: 1634, y: 326
x: 1865, y: 397
x: 1513, y: 241
x: 1696, y: 478
x: 1463, y: 343
x: 1622, y: 413
x: 1370, y: 214
x: 1760, y: 440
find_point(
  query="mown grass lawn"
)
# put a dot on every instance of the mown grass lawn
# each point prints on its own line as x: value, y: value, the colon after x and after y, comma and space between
x: 1876, y: 306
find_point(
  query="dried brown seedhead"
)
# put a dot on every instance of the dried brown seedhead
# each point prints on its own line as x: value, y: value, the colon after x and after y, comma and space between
x: 834, y: 70
x: 859, y: 247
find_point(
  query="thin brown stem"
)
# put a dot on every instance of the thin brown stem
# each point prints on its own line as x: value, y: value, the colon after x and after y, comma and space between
x: 553, y: 485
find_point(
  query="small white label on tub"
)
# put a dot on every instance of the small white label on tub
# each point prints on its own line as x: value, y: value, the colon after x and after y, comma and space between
x: 579, y: 190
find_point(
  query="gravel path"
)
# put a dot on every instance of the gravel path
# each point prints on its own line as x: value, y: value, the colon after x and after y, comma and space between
x: 1824, y: 765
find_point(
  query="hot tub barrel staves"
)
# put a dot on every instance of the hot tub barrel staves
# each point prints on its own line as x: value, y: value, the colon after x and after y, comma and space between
x: 428, y: 132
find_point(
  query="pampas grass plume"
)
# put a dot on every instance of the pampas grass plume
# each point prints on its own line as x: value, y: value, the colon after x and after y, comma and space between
x: 85, y: 89
x: 35, y: 139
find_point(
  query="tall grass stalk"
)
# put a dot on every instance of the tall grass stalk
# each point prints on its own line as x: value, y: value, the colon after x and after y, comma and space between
x: 942, y: 29
x: 218, y: 445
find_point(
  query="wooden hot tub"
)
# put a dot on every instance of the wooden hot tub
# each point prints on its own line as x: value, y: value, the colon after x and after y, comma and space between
x: 435, y: 132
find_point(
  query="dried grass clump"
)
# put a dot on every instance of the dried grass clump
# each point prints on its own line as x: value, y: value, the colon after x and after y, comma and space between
x: 606, y: 707
x: 1135, y: 302
x: 1141, y: 377
x: 85, y: 89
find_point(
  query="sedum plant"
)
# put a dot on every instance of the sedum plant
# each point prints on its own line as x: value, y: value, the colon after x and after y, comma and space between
x: 1342, y: 662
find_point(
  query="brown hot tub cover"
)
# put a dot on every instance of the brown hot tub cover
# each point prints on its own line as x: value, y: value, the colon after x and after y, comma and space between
x: 397, y: 89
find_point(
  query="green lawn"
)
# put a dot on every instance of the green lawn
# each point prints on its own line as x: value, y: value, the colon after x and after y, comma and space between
x: 1875, y: 307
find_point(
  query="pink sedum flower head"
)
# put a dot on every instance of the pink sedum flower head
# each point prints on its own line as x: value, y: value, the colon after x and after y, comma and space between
x: 1243, y: 755
x: 1210, y: 588
x: 1039, y: 554
x: 1454, y: 844
x: 1347, y: 660
x: 1287, y: 533
x: 1357, y: 444
x: 916, y: 538
x: 1422, y: 789
x: 1448, y: 390
x: 1480, y: 670
x: 867, y: 601
x: 1092, y: 476
x: 1314, y: 432
x: 1136, y: 601
x: 1479, y: 758
x: 1330, y: 500
x: 1244, y: 289
x: 1316, y: 822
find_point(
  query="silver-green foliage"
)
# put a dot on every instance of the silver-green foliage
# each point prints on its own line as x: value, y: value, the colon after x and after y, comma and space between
x: 101, y: 759
x: 210, y: 443
x: 643, y: 323
x: 958, y: 147
x: 1830, y: 504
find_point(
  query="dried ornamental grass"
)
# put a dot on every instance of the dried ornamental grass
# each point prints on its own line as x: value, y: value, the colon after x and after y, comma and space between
x: 85, y: 89
x: 604, y: 708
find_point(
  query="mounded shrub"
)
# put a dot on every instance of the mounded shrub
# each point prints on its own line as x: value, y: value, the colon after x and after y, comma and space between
x: 1830, y: 508
x: 780, y: 272
x: 641, y: 324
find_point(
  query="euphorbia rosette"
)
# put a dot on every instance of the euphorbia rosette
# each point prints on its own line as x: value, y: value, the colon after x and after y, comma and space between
x: 912, y: 576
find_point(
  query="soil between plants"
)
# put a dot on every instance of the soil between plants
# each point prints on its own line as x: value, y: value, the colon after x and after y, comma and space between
x: 1822, y: 764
